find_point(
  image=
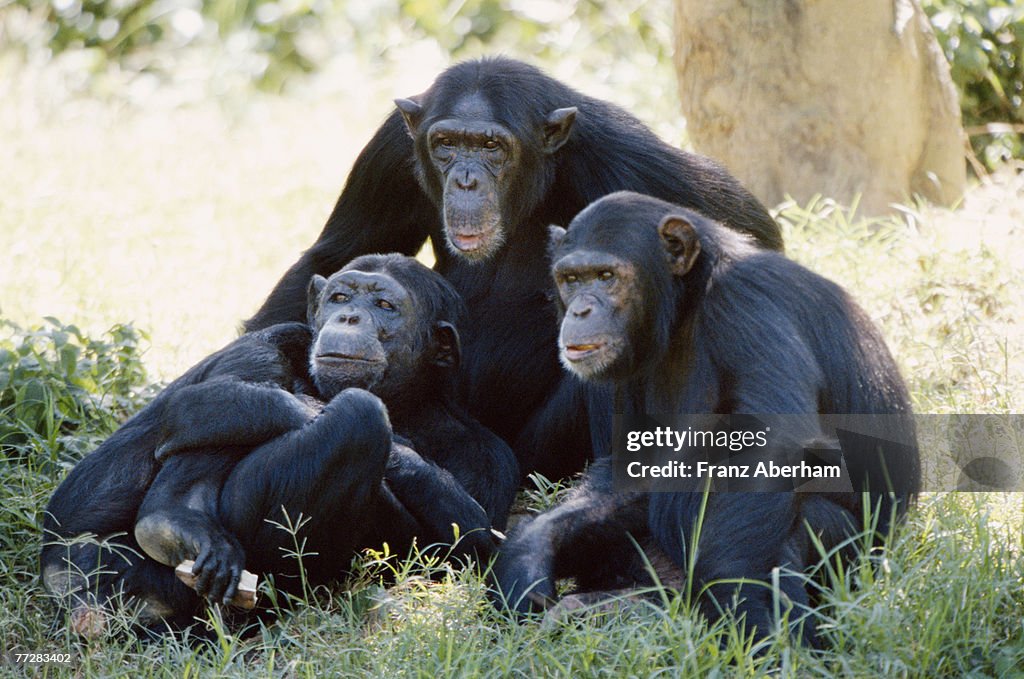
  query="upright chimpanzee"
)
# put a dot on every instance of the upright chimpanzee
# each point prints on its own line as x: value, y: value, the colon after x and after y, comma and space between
x: 682, y: 316
x: 482, y: 162
x: 237, y: 454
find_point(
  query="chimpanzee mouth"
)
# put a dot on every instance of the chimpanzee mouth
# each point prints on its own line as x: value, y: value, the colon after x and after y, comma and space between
x: 473, y: 235
x: 467, y: 242
x: 590, y: 358
x: 345, y: 358
x: 579, y: 352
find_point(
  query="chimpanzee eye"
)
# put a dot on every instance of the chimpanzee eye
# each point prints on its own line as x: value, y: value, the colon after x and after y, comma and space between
x: 491, y: 145
x: 339, y: 297
x: 571, y: 278
x: 445, y: 142
x: 386, y: 305
x: 606, y: 275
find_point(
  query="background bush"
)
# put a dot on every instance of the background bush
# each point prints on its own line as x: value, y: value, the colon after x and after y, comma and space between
x: 984, y: 42
x: 61, y: 390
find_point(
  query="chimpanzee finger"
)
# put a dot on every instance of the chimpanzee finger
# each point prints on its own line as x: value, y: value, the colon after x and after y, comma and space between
x: 205, y: 577
x: 234, y: 577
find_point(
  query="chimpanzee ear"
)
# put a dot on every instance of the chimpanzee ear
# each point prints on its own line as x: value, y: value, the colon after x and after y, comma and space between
x: 316, y: 286
x: 412, y: 111
x: 556, y: 235
x: 680, y: 241
x: 557, y: 127
x: 447, y: 352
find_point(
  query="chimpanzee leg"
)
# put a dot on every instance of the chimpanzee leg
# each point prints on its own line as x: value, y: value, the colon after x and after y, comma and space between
x: 326, y: 475
x: 179, y: 520
x: 742, y: 536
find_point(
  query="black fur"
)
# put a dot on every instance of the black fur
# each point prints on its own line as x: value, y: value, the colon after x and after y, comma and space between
x: 713, y: 325
x: 245, y: 438
x: 248, y: 383
x: 393, y: 201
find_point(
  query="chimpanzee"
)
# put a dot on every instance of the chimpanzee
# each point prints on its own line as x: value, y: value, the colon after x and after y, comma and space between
x: 482, y: 162
x: 680, y: 315
x: 414, y: 312
x: 245, y: 438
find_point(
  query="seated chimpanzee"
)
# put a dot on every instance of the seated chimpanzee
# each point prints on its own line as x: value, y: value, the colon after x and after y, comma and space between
x: 680, y: 315
x: 246, y: 438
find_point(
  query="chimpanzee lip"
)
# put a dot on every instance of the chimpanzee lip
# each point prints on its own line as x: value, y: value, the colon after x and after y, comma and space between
x: 579, y: 351
x: 346, y: 357
x: 468, y: 242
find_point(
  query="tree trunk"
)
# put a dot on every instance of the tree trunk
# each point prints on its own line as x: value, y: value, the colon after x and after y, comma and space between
x: 805, y: 97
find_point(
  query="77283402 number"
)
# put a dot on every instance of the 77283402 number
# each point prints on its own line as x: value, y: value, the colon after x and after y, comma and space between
x: 42, y: 657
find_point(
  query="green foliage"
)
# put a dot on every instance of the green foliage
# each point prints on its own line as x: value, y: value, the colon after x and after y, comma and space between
x: 268, y: 41
x: 984, y: 42
x: 618, y: 27
x: 263, y: 36
x: 61, y: 392
x: 60, y: 389
x: 118, y: 28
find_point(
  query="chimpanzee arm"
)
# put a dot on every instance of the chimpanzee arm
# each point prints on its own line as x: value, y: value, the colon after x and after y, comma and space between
x: 227, y: 412
x: 381, y: 209
x: 178, y: 521
x: 439, y: 503
x: 556, y: 441
x: 573, y: 538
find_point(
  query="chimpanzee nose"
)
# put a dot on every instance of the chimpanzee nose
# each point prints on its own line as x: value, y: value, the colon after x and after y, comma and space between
x: 466, y: 181
x: 582, y: 309
x: 349, y: 318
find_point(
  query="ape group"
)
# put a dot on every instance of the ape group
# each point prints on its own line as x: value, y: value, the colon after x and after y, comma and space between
x: 584, y: 270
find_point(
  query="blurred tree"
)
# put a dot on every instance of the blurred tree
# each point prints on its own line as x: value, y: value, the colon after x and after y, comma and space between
x: 804, y: 97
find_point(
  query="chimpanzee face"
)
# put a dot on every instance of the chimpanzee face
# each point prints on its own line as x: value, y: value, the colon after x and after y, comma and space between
x: 364, y: 327
x: 620, y: 271
x: 474, y: 159
x: 483, y: 176
x: 598, y: 292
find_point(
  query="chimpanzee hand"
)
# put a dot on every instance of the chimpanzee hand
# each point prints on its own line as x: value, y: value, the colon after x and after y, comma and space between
x: 174, y: 535
x: 218, y: 566
x: 522, y: 573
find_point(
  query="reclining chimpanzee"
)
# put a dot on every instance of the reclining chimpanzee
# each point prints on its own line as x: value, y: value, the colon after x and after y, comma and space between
x: 683, y: 316
x: 246, y: 437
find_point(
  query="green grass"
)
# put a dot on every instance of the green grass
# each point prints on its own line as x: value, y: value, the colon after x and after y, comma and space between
x: 180, y: 219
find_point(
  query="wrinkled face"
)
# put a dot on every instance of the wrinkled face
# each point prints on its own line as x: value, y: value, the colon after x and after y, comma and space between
x: 619, y: 310
x: 474, y: 157
x: 364, y: 325
x: 480, y: 173
x: 598, y: 292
